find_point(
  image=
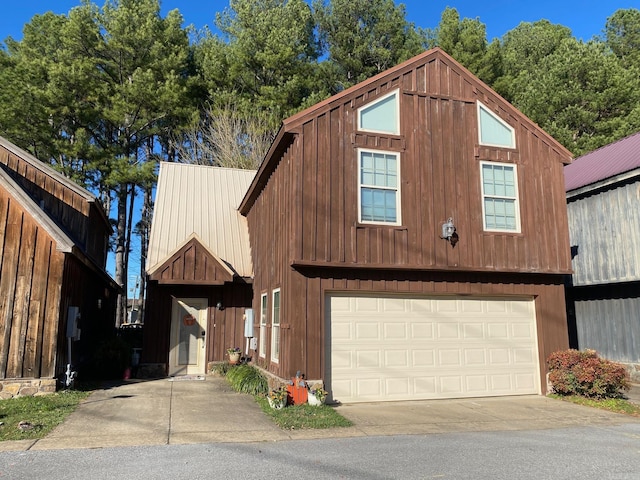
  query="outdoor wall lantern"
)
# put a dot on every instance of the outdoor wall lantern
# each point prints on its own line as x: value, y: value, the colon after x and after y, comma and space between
x: 219, y: 306
x: 449, y: 232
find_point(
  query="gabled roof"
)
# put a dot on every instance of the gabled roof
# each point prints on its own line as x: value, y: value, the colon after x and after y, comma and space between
x: 606, y: 162
x: 201, y: 200
x: 56, y: 176
x: 291, y: 126
x: 212, y: 271
x: 63, y: 242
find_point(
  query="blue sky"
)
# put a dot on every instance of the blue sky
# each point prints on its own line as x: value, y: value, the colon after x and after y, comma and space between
x: 585, y: 18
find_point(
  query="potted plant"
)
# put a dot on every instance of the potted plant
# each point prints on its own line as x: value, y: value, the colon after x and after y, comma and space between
x: 234, y: 355
x: 277, y: 398
x: 317, y: 395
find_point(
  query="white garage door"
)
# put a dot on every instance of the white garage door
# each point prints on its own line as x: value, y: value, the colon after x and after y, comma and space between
x: 391, y: 348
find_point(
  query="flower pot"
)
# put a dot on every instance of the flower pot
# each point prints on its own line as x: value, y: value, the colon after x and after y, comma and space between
x: 313, y: 400
x: 276, y: 404
x: 234, y: 358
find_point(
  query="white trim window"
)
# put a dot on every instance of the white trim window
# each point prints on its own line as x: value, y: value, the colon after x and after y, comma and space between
x: 275, y: 326
x: 263, y: 325
x: 494, y: 131
x: 382, y: 115
x: 378, y: 187
x: 500, y: 206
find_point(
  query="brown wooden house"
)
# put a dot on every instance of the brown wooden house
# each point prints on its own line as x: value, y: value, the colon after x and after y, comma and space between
x: 198, y: 269
x: 354, y: 283
x: 53, y: 249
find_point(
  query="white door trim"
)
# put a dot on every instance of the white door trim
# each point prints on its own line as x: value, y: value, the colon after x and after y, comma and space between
x: 187, y: 349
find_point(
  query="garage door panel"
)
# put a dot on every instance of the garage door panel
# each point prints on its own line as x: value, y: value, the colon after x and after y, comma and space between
x: 394, y: 348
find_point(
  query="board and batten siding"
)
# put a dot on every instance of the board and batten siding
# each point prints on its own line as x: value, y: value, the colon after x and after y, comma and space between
x: 31, y: 271
x: 303, y: 215
x: 72, y: 207
x: 439, y: 178
x: 605, y: 228
x: 610, y: 326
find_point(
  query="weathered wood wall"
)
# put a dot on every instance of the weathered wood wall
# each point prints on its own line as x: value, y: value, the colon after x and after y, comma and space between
x: 83, y: 221
x: 31, y: 273
x: 605, y: 232
x: 611, y: 326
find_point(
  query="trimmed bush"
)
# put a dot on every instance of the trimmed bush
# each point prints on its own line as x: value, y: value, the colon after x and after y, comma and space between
x: 584, y: 373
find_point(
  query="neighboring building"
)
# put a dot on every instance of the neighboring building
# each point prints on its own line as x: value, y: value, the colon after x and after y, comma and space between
x: 353, y: 283
x: 199, y: 269
x: 53, y: 248
x: 603, y: 202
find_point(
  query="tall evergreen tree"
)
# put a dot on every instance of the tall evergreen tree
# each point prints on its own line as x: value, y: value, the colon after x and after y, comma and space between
x: 361, y: 38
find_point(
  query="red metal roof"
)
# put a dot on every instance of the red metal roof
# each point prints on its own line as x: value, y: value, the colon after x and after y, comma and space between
x: 613, y: 159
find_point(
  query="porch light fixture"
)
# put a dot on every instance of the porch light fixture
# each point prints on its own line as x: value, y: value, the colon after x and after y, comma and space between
x: 219, y: 306
x: 449, y: 232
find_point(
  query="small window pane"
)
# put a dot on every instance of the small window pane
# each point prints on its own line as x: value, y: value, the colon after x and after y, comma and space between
x: 381, y: 116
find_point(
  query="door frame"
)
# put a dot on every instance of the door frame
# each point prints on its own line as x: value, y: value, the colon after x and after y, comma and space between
x: 201, y: 304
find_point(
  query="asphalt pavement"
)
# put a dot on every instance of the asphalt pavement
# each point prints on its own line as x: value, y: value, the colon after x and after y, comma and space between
x: 183, y: 412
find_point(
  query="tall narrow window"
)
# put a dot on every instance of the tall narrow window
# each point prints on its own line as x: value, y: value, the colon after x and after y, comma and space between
x: 493, y: 130
x: 381, y: 115
x: 378, y: 187
x: 275, y: 327
x: 263, y: 325
x: 500, y: 197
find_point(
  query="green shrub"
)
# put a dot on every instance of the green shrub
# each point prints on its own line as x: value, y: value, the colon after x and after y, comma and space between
x: 584, y: 373
x: 245, y: 378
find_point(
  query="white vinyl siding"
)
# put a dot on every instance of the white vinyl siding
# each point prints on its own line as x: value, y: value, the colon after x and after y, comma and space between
x: 275, y: 327
x: 500, y: 206
x: 263, y: 325
x: 378, y: 187
x: 381, y: 115
x: 493, y: 131
x: 415, y: 347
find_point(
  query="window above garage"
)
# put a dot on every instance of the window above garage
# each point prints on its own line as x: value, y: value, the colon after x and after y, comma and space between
x: 494, y: 131
x: 500, y: 209
x: 381, y: 115
x: 378, y: 189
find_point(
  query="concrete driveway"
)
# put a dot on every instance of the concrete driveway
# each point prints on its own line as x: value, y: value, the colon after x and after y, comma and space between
x: 163, y: 412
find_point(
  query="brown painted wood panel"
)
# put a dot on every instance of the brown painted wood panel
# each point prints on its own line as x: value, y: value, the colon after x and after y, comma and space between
x: 304, y: 222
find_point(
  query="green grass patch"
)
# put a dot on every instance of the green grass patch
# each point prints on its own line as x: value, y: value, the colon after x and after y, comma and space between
x: 301, y: 417
x: 616, y: 405
x: 43, y: 413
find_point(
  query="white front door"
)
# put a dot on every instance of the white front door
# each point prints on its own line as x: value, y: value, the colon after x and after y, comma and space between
x: 188, y: 334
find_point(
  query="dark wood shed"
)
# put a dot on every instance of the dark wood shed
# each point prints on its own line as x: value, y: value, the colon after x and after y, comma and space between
x: 53, y: 246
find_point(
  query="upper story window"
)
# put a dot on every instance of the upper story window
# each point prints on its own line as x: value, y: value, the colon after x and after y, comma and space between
x: 494, y: 131
x: 381, y: 115
x: 500, y: 209
x: 378, y: 191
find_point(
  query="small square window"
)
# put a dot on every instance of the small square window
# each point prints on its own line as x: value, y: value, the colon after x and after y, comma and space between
x: 381, y: 115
